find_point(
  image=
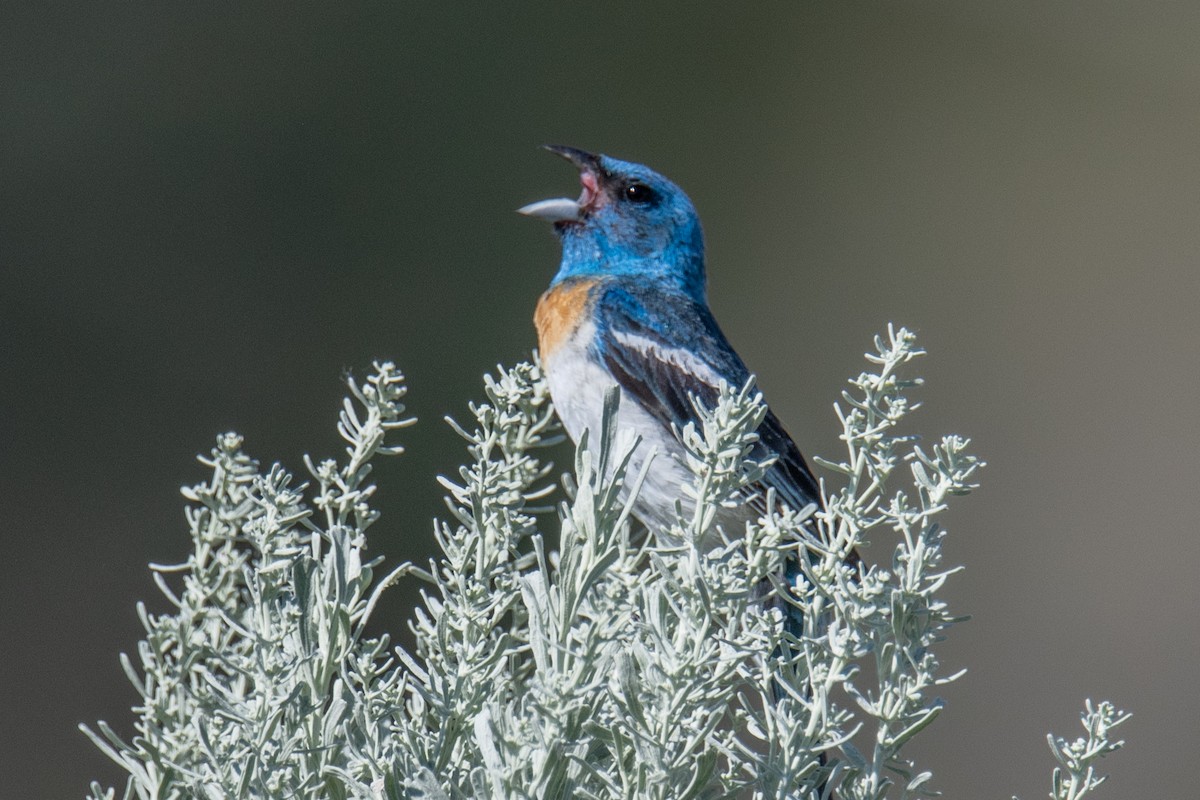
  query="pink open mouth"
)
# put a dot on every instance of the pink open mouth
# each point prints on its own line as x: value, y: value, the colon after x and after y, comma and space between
x: 591, y: 196
x: 563, y: 211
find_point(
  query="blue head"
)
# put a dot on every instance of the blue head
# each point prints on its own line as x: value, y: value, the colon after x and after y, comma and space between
x: 629, y: 221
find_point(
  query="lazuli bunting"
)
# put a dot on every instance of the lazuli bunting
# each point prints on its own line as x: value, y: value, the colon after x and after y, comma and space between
x: 628, y: 308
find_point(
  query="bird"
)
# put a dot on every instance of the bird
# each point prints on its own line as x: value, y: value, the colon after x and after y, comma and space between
x: 628, y: 308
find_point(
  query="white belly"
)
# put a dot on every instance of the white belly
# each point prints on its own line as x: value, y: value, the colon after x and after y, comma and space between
x: 578, y: 385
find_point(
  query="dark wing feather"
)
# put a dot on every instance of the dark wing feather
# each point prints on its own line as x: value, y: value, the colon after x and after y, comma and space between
x: 669, y: 322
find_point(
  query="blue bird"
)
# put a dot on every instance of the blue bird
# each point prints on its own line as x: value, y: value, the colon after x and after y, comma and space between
x: 628, y: 308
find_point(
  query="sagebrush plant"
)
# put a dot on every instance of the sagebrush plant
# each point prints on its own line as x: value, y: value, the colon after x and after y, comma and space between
x: 623, y: 664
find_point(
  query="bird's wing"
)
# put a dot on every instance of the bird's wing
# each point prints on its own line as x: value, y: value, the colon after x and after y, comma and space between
x: 662, y: 348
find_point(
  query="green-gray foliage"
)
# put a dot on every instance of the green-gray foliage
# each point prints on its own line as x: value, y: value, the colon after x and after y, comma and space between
x: 624, y: 664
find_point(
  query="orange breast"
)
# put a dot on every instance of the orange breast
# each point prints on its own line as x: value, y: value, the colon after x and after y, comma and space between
x: 559, y: 312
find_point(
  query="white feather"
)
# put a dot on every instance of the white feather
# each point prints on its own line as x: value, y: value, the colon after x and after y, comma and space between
x: 681, y: 358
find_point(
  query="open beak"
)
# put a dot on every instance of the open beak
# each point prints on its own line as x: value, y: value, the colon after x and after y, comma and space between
x: 558, y: 209
x: 563, y: 209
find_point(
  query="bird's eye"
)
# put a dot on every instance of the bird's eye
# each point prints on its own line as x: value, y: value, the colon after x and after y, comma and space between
x: 638, y: 193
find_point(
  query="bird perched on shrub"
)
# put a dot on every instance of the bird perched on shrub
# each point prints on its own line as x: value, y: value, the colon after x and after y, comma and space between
x: 628, y: 308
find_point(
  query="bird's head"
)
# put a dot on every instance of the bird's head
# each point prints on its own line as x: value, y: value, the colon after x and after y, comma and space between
x: 628, y: 221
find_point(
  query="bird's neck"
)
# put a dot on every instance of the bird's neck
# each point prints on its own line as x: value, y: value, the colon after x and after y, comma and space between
x: 677, y: 267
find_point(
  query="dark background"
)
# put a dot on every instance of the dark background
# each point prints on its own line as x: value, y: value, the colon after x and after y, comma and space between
x: 208, y: 211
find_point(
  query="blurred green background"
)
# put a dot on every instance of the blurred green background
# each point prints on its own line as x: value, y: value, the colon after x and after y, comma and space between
x: 208, y: 211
